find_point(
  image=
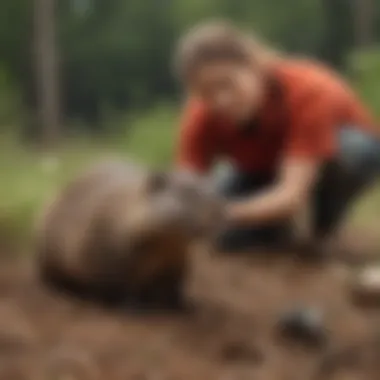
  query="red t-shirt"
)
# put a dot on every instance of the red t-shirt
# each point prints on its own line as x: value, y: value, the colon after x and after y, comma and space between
x: 300, y: 118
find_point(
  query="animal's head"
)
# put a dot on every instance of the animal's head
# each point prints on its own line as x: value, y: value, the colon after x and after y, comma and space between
x: 204, y: 205
x: 171, y: 203
x: 163, y: 212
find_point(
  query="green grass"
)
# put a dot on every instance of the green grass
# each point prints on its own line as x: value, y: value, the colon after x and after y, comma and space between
x: 366, y: 213
x: 30, y: 177
x: 364, y: 69
x: 153, y: 136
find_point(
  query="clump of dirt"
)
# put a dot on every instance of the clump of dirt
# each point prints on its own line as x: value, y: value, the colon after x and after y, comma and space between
x: 230, y: 335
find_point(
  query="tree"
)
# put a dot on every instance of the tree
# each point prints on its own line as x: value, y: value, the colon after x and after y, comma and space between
x: 365, y: 13
x: 46, y: 70
x: 338, y: 34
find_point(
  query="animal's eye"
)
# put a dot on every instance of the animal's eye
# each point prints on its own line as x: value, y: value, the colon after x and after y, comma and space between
x: 157, y: 182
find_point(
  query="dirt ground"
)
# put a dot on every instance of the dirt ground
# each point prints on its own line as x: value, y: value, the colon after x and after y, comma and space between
x: 231, y: 335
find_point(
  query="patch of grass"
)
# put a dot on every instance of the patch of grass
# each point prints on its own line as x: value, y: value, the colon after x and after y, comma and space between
x: 364, y: 70
x: 152, y: 137
x: 30, y: 177
x: 366, y: 213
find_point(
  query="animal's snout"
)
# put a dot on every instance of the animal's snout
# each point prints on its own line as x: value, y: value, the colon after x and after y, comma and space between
x: 171, y: 212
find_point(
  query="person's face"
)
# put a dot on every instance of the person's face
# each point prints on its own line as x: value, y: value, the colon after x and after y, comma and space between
x: 229, y: 90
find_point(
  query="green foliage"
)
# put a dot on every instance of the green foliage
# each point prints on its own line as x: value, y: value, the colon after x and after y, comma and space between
x: 152, y: 136
x: 119, y: 56
x: 9, y: 101
x: 115, y: 54
x: 364, y: 68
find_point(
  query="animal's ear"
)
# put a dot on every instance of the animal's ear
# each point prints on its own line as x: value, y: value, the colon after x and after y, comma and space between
x: 156, y: 181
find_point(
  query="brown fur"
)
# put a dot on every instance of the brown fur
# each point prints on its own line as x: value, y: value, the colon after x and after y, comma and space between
x: 119, y: 230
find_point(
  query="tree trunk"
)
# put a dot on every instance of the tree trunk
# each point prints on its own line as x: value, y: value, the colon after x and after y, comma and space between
x: 364, y: 15
x: 339, y: 31
x: 46, y: 70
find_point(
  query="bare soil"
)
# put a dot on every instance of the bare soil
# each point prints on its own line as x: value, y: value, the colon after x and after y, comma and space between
x: 232, y: 333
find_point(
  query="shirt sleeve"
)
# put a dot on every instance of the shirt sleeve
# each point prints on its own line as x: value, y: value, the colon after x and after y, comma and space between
x: 312, y: 129
x: 196, y: 145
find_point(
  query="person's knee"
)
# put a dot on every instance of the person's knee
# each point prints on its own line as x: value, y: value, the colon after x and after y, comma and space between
x: 359, y: 152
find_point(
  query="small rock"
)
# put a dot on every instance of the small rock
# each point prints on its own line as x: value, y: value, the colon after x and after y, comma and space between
x: 365, y: 286
x: 236, y: 351
x: 303, y: 324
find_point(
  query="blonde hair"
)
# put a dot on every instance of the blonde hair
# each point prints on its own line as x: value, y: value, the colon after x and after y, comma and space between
x: 220, y: 41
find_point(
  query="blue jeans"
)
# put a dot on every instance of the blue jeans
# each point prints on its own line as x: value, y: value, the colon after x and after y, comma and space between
x: 357, y: 166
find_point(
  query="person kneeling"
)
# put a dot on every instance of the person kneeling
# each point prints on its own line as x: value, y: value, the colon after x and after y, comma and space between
x: 295, y: 133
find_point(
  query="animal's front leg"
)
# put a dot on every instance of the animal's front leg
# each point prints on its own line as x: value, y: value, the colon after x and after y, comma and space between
x: 166, y: 291
x: 170, y: 289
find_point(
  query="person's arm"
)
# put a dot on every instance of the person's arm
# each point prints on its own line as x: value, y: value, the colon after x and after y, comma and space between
x: 196, y: 145
x: 309, y: 144
x: 282, y: 200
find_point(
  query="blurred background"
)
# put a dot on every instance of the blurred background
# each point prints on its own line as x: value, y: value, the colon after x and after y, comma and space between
x: 84, y: 78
